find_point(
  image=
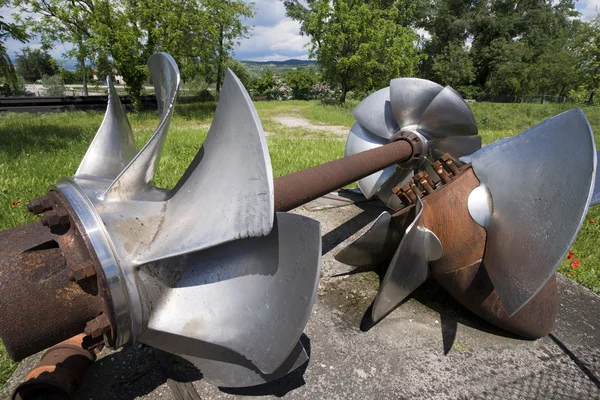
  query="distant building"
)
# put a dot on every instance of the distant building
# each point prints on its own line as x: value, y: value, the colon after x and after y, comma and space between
x: 116, y: 77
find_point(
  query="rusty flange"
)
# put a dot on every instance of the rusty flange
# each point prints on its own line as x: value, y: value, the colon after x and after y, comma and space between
x: 52, y: 284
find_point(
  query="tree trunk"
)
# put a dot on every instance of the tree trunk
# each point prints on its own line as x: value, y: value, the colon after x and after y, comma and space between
x: 84, y: 74
x: 220, y: 62
x: 591, y: 98
x: 343, y: 96
x: 542, y: 99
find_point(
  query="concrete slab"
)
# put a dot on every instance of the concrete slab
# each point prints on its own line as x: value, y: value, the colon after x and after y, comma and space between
x: 428, y: 348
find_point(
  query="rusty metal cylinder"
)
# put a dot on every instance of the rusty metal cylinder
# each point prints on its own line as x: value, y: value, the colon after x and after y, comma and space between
x: 39, y: 304
x: 58, y: 373
x: 300, y: 187
x: 461, y: 272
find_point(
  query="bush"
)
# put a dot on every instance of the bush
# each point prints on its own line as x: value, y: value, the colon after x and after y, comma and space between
x: 53, y: 85
x: 301, y: 81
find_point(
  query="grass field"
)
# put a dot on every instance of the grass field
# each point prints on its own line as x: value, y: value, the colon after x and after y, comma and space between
x: 36, y: 150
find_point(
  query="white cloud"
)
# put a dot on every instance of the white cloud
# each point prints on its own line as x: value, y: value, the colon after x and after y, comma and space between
x: 588, y: 9
x: 281, y: 41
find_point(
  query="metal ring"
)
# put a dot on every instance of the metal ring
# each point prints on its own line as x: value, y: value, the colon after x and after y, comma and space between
x: 99, y: 239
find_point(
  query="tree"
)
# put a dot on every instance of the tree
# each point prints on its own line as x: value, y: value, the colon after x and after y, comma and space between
x: 453, y: 67
x: 240, y: 70
x: 589, y: 58
x: 358, y: 44
x: 301, y: 81
x: 33, y: 64
x: 68, y: 21
x: 7, y: 70
x: 227, y: 30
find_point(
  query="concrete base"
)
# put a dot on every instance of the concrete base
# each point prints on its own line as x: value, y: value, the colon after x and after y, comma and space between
x: 430, y: 347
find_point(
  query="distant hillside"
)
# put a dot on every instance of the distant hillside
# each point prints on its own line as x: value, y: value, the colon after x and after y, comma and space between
x: 258, y: 67
x: 292, y: 61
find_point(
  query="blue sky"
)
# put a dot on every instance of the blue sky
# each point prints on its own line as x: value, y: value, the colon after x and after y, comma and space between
x: 274, y: 36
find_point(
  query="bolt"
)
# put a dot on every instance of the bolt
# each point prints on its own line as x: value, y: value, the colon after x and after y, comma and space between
x: 439, y: 169
x: 412, y: 196
x: 82, y: 271
x: 424, y: 179
x: 98, y: 326
x: 56, y: 218
x: 415, y: 190
x: 402, y: 195
x: 448, y: 161
x: 39, y: 205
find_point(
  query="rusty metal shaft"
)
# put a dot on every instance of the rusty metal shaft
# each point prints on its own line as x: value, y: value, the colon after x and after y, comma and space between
x: 300, y: 187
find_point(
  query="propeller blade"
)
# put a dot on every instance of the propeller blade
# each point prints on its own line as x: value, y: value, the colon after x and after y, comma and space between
x: 540, y: 184
x: 456, y: 146
x: 400, y: 177
x: 410, y: 97
x: 250, y: 301
x: 359, y: 140
x: 448, y: 115
x: 375, y: 114
x: 137, y: 177
x: 409, y: 267
x: 113, y: 146
x: 373, y: 248
x: 596, y: 196
x: 233, y: 163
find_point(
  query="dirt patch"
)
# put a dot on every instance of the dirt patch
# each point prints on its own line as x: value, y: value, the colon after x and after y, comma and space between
x: 294, y: 121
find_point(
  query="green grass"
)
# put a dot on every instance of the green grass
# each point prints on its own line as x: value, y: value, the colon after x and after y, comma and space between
x: 36, y: 150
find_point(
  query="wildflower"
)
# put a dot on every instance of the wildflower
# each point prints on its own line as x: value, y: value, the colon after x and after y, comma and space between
x: 16, y: 203
x: 571, y: 273
x: 592, y: 221
x: 576, y: 263
x: 570, y: 255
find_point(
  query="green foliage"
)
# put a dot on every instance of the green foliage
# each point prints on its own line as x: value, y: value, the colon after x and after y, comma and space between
x: 301, y: 81
x: 33, y: 64
x: 453, y: 66
x: 9, y: 84
x: 53, y: 85
x: 358, y: 44
x: 240, y: 70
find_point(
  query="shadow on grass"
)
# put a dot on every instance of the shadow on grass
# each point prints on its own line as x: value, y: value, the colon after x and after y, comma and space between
x: 22, y: 138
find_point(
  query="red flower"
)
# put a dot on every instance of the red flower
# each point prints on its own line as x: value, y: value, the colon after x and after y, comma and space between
x: 592, y: 221
x: 571, y: 273
x: 570, y: 255
x: 16, y: 203
x: 575, y: 263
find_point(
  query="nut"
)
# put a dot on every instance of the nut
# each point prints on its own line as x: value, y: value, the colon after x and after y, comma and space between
x: 82, y: 271
x: 98, y: 326
x: 56, y: 218
x: 39, y: 205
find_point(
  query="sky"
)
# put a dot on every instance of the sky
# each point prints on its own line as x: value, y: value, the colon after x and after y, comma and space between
x: 274, y: 37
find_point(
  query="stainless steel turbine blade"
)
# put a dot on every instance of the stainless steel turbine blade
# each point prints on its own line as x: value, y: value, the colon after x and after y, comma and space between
x: 221, y: 170
x: 410, y: 97
x: 250, y: 301
x: 448, y: 115
x: 138, y: 176
x: 456, y: 146
x: 373, y: 248
x: 359, y: 139
x: 409, y: 267
x: 596, y: 196
x: 113, y: 146
x: 375, y: 114
x: 540, y: 184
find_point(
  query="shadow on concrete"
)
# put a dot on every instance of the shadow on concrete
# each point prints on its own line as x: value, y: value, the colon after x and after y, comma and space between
x: 279, y: 387
x: 580, y: 364
x: 432, y: 295
x: 137, y: 371
x: 370, y: 211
